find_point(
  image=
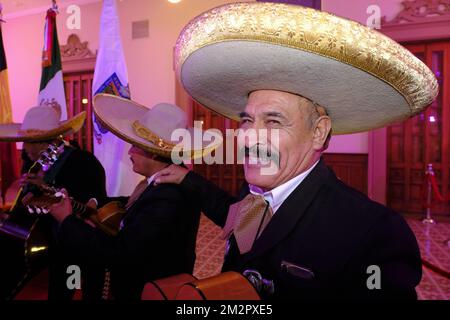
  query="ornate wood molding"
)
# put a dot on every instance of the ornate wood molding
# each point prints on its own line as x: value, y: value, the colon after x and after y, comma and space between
x: 429, y: 19
x: 421, y: 11
x: 76, y: 55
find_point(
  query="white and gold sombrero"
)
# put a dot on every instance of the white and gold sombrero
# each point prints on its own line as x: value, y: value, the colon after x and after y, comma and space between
x: 152, y: 129
x: 364, y: 79
x: 40, y: 124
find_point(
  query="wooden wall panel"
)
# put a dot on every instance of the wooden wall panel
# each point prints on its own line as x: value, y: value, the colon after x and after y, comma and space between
x: 350, y: 168
x: 78, y: 88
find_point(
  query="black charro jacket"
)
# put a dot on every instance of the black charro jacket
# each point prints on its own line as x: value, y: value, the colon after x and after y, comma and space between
x: 331, y: 231
x: 157, y: 240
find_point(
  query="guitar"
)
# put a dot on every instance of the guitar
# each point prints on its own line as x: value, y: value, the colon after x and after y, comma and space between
x: 225, y: 286
x: 167, y: 288
x: 107, y: 218
x: 46, y: 160
x: 24, y: 239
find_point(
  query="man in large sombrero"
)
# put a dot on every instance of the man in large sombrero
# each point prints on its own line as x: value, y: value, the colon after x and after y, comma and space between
x: 158, y: 232
x: 304, y: 73
x: 74, y: 169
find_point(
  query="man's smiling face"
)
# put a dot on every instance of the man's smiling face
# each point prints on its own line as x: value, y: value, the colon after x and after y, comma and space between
x: 297, y: 146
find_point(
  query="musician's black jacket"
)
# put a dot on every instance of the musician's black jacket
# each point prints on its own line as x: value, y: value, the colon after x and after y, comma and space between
x: 333, y: 232
x: 157, y: 240
x: 83, y: 176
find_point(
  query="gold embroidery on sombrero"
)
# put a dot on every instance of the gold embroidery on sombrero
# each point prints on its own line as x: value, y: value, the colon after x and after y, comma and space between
x: 150, y: 136
x: 315, y: 32
x: 30, y: 132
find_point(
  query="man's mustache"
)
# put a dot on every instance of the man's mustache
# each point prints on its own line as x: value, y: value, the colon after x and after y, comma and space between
x: 263, y: 153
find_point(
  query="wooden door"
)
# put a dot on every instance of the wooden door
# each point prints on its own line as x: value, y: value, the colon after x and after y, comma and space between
x: 421, y: 140
x: 78, y: 87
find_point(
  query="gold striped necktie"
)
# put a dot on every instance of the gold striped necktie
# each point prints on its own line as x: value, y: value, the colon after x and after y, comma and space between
x: 247, y: 219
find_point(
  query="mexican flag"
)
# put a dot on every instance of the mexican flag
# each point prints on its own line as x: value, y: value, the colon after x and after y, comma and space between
x: 9, y: 168
x: 52, y: 84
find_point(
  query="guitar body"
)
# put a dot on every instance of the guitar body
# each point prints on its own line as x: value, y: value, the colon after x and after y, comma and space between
x: 167, y: 288
x: 24, y: 242
x: 110, y: 216
x: 225, y: 286
x: 24, y: 238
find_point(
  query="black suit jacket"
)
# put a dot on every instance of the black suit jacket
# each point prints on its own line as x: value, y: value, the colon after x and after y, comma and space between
x: 81, y: 174
x: 332, y: 231
x: 157, y: 240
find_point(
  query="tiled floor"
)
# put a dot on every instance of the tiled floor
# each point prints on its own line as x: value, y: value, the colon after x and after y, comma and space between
x: 432, y: 241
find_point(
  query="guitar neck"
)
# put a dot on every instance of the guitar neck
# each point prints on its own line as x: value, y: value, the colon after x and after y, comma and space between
x: 82, y: 210
x: 88, y: 213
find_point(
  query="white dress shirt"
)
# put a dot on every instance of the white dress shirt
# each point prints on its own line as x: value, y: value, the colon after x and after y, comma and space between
x: 150, y: 180
x: 276, y: 196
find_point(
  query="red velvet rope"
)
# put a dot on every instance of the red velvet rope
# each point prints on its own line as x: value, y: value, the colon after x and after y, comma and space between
x: 437, y: 193
x: 436, y: 269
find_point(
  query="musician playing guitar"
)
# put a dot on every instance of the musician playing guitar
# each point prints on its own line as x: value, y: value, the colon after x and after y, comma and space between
x: 158, y: 234
x: 66, y: 167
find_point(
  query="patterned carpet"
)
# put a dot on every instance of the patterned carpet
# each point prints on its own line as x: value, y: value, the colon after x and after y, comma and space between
x: 432, y: 241
x: 434, y: 247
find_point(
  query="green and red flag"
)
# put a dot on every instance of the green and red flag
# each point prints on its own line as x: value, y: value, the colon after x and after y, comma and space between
x: 52, y: 84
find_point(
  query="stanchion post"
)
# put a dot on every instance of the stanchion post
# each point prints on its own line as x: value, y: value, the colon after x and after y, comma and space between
x: 428, y: 173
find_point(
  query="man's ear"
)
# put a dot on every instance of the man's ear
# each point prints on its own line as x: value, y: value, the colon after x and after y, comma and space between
x: 322, y: 128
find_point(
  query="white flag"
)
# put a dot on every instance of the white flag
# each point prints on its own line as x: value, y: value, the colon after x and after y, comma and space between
x: 111, y: 77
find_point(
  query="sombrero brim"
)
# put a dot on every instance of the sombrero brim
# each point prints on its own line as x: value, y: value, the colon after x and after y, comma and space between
x: 363, y: 79
x: 12, y: 133
x: 118, y: 114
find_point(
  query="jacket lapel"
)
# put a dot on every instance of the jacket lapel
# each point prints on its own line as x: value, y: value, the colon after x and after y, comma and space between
x: 131, y: 210
x: 290, y: 212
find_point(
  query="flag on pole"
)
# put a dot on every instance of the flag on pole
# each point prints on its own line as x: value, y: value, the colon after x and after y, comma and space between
x: 111, y: 77
x: 9, y: 167
x: 51, y: 90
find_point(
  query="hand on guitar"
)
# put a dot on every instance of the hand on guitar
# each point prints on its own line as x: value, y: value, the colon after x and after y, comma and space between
x: 62, y: 209
x: 92, y: 203
x: 46, y: 199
